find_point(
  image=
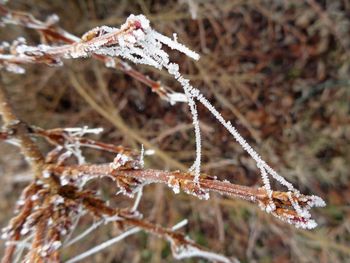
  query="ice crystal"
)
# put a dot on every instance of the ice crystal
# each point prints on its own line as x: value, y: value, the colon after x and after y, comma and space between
x: 119, y: 161
x: 77, y: 131
x: 57, y: 200
x: 173, y: 183
x: 13, y: 68
x: 177, y: 97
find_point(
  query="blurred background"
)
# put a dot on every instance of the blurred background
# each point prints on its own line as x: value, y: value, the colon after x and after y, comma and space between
x: 278, y: 70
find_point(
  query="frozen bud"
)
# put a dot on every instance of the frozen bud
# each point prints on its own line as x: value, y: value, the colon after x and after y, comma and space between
x: 139, y: 21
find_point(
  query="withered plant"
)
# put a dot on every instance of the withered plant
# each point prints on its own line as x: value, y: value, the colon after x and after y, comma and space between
x: 52, y: 203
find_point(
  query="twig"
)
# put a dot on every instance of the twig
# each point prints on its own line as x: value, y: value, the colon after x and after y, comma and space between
x: 52, y: 32
x: 286, y: 204
x: 19, y: 130
x: 102, y: 246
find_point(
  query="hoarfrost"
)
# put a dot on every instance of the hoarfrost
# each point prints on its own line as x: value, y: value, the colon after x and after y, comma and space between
x: 65, y: 180
x: 57, y: 200
x: 110, y: 63
x: 13, y: 68
x: 173, y: 183
x: 46, y: 174
x: 77, y: 131
x: 177, y: 97
x: 119, y: 161
x: 187, y: 251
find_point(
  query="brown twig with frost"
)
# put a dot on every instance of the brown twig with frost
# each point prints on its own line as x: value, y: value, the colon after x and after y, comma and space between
x: 51, y: 33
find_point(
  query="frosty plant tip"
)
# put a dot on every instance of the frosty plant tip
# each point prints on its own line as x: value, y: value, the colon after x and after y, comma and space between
x: 50, y: 207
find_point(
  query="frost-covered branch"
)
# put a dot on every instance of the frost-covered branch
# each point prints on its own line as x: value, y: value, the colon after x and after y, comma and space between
x: 54, y: 34
x: 288, y: 206
x: 58, y: 194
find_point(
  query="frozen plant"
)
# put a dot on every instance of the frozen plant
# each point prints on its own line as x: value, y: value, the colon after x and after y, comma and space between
x: 143, y: 45
x: 50, y: 207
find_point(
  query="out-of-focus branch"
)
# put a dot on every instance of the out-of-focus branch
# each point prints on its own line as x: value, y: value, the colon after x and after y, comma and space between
x: 19, y: 130
x: 60, y: 137
x: 180, y: 244
x: 16, y: 129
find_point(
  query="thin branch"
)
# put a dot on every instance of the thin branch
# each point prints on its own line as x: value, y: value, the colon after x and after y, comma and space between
x: 85, y: 233
x: 19, y: 130
x: 288, y: 206
x: 53, y: 32
x: 104, y: 245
